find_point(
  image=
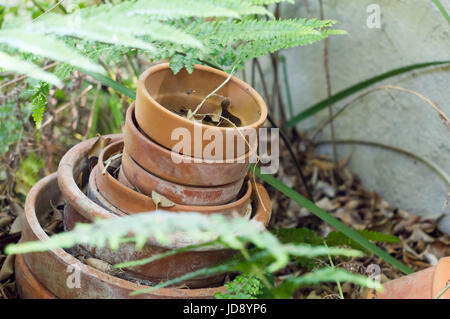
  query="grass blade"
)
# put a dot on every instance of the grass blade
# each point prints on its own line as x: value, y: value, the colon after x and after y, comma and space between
x: 442, y: 9
x: 357, y: 87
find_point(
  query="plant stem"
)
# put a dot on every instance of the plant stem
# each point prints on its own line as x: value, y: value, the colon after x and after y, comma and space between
x: 214, y: 92
x: 341, y: 294
x: 442, y: 9
x: 285, y: 140
x: 328, y: 82
x: 443, y: 291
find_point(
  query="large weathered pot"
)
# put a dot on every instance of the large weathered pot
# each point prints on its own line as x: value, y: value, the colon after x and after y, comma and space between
x: 160, y: 93
x: 424, y: 284
x: 51, y: 269
x: 165, y: 268
x: 176, y: 167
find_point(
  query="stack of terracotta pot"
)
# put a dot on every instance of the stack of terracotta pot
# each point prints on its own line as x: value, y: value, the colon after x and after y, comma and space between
x: 131, y: 170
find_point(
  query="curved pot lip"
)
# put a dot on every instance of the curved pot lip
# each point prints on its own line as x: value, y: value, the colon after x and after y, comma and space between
x: 33, y: 223
x: 129, y: 123
x: 192, y: 188
x: 66, y: 181
x: 178, y: 207
x: 224, y: 75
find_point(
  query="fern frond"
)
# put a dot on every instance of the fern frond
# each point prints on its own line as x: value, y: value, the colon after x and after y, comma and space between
x: 234, y: 233
x: 259, y: 260
x: 39, y: 102
x: 46, y: 46
x: 288, y: 30
x: 173, y: 9
x: 18, y: 65
x: 89, y: 29
x: 268, y: 2
x: 290, y: 285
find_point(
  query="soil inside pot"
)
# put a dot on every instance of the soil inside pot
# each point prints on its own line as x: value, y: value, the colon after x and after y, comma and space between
x: 214, y: 111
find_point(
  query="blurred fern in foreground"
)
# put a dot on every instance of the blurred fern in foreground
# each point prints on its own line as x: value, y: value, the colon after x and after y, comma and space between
x: 217, y: 32
x: 199, y: 231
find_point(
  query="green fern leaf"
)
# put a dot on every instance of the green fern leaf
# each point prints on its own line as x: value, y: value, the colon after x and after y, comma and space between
x: 290, y: 285
x: 234, y: 233
x: 94, y: 29
x: 46, y: 46
x: 15, y: 64
x: 172, y: 9
x: 268, y: 2
x: 39, y: 102
x: 242, y: 287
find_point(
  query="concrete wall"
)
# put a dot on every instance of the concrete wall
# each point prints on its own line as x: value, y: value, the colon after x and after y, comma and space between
x: 413, y: 31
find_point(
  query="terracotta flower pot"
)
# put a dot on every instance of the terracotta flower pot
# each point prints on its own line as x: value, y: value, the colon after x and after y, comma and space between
x: 130, y: 201
x: 160, y: 93
x: 175, y: 167
x: 424, y: 284
x: 146, y: 182
x: 52, y: 268
x: 176, y: 265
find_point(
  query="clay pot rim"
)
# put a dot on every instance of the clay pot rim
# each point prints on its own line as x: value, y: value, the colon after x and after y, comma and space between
x: 185, y: 122
x: 33, y: 223
x: 130, y: 122
x: 178, y: 207
x: 69, y: 188
x: 195, y: 188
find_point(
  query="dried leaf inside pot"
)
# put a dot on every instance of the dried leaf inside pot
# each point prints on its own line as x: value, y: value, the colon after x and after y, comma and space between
x: 160, y: 200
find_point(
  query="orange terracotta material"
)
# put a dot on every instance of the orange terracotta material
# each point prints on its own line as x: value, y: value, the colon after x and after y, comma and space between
x: 123, y: 179
x: 72, y: 165
x: 146, y: 182
x: 52, y: 268
x: 160, y: 92
x: 424, y: 284
x: 96, y: 197
x: 131, y: 201
x: 175, y: 167
x: 27, y: 285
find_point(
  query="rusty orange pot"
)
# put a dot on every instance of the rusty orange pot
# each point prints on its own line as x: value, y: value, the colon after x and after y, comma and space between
x: 27, y: 285
x: 425, y: 284
x: 161, y: 93
x: 130, y: 201
x: 46, y: 273
x: 176, y: 167
x: 146, y: 183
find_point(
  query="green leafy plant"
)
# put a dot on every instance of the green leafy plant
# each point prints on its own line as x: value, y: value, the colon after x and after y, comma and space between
x: 179, y: 30
x: 39, y: 101
x: 268, y: 256
x: 243, y: 287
